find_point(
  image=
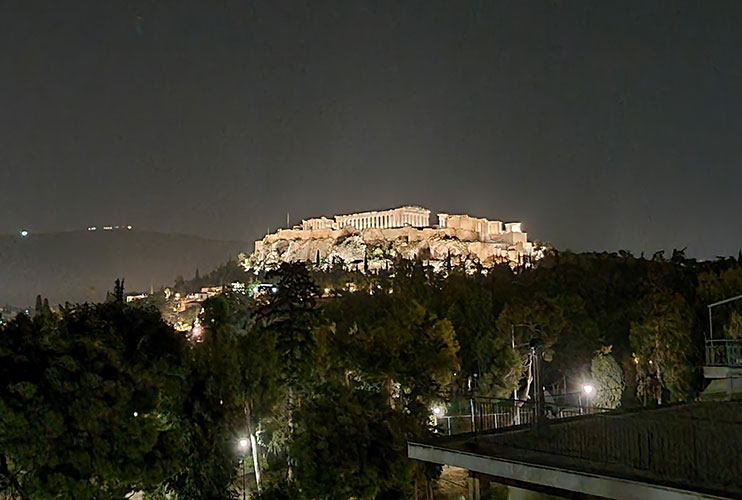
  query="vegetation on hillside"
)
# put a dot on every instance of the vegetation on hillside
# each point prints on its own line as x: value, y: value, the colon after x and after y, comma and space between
x: 328, y: 375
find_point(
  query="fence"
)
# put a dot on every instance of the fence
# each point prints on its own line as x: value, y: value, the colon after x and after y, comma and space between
x: 724, y: 352
x: 487, y: 414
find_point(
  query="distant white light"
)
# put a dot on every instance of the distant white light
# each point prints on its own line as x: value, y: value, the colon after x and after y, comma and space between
x: 24, y: 233
x: 243, y: 443
x: 588, y: 388
x: 92, y: 228
x: 128, y: 227
x: 136, y: 414
x: 437, y: 410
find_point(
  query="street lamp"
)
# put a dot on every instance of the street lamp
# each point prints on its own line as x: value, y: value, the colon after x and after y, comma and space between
x: 243, y: 446
x: 588, y: 389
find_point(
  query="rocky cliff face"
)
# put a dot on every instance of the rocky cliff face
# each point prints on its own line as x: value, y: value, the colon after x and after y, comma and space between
x: 378, y: 248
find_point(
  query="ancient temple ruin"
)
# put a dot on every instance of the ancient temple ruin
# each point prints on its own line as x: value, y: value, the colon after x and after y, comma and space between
x: 384, y: 219
x: 374, y: 238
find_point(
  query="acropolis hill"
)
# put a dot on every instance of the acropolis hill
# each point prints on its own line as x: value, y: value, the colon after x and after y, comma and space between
x: 371, y: 240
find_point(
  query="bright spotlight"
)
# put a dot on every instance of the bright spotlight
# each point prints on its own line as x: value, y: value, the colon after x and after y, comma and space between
x: 243, y: 443
x: 437, y: 410
x: 588, y: 389
x: 24, y: 233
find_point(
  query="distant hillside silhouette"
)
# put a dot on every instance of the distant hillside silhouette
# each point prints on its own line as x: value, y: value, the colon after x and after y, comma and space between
x: 80, y: 266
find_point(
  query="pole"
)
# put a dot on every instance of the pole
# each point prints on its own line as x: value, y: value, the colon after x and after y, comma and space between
x: 473, y: 424
x: 512, y: 344
x: 711, y: 325
x: 244, y: 478
x: 537, y: 349
x: 515, y: 391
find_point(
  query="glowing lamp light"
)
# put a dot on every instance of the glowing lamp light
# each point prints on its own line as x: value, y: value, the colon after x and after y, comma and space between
x: 588, y: 389
x: 243, y: 443
x: 136, y: 414
x: 24, y: 233
x: 437, y: 410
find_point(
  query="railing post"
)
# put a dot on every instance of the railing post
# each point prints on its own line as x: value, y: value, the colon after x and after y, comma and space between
x: 473, y: 423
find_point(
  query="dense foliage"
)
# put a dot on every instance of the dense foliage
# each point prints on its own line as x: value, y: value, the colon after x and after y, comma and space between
x: 326, y: 376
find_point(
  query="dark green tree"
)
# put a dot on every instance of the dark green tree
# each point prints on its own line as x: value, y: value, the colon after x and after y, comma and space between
x: 89, y: 402
x: 213, y: 414
x: 607, y: 378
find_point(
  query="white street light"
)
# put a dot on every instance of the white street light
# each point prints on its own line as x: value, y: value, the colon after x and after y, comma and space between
x: 437, y: 410
x: 588, y: 389
x: 243, y: 444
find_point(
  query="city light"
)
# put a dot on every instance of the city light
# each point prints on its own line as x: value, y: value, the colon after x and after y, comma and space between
x: 437, y: 410
x: 136, y: 414
x: 243, y: 442
x: 588, y: 389
x: 24, y: 233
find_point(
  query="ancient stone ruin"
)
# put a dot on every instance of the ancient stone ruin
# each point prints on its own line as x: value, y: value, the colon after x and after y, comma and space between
x: 373, y: 240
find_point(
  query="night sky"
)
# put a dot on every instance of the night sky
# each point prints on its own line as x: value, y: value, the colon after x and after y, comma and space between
x: 600, y: 125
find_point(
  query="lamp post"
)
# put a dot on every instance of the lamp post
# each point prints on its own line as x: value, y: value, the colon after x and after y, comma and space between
x: 436, y: 413
x: 243, y: 446
x: 588, y: 389
x: 537, y: 353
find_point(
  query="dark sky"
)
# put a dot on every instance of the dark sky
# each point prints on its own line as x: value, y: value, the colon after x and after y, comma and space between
x: 600, y: 125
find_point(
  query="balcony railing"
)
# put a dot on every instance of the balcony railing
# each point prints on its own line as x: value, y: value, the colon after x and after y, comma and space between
x: 724, y: 352
x: 491, y: 414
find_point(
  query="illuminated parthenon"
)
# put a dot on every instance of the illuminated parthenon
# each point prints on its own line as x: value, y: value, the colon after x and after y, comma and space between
x: 372, y: 238
x: 383, y: 219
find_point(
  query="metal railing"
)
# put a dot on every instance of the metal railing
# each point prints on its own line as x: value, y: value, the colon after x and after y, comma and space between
x: 724, y: 352
x: 698, y: 445
x: 489, y: 414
